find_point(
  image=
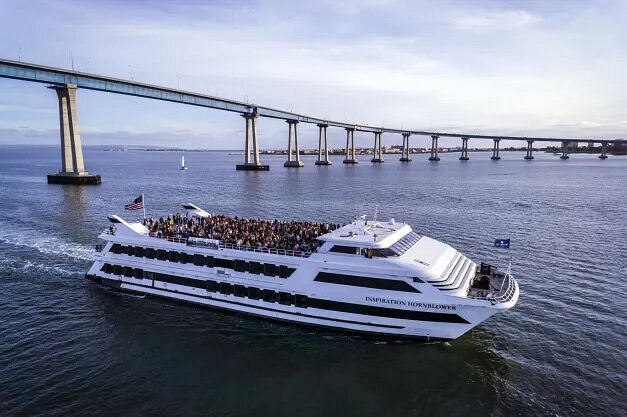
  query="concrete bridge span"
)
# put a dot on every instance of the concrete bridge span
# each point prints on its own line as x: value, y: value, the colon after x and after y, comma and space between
x: 66, y: 82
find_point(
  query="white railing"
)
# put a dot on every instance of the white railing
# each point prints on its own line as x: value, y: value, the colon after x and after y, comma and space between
x: 216, y: 244
x: 507, y: 290
x: 192, y: 241
x: 285, y: 252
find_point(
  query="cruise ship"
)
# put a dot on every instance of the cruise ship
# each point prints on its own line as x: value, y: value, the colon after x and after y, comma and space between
x: 368, y: 276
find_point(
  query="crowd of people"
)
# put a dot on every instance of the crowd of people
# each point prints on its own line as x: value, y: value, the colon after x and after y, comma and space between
x: 298, y: 236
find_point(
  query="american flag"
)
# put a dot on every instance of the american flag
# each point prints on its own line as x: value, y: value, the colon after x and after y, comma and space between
x: 137, y: 204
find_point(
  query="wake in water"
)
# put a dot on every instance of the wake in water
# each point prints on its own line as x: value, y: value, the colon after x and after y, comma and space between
x: 21, y: 267
x: 46, y: 244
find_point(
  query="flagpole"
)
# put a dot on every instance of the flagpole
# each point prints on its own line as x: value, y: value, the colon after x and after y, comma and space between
x: 144, y: 205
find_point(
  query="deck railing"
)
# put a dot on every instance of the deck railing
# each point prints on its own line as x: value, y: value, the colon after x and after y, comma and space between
x: 507, y: 290
x: 285, y: 252
x: 216, y: 244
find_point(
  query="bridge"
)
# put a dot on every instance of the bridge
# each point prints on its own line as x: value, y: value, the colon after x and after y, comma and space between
x: 66, y: 82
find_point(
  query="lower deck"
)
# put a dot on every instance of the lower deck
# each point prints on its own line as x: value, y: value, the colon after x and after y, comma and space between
x: 276, y: 314
x: 269, y: 297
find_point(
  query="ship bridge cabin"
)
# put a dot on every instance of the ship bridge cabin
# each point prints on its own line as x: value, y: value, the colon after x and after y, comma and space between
x: 370, y: 239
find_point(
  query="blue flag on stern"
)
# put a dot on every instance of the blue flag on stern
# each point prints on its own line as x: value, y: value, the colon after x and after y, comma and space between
x: 501, y: 243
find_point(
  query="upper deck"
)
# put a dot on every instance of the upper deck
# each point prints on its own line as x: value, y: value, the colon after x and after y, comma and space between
x: 271, y: 236
x: 362, y: 233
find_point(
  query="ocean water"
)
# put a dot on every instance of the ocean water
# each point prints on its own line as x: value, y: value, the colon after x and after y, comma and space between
x: 69, y: 347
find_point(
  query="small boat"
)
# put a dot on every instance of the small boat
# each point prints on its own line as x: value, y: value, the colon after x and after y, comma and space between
x: 183, y: 167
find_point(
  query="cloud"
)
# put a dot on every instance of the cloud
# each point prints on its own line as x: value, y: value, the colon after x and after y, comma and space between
x: 470, y: 66
x: 495, y: 20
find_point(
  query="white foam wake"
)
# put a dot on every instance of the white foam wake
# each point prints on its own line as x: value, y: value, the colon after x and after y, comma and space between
x: 24, y: 267
x: 48, y: 244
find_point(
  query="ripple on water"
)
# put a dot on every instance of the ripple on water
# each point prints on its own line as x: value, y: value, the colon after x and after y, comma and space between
x: 68, y: 345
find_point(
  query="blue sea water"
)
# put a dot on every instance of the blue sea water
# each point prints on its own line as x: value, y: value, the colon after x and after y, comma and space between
x: 68, y: 347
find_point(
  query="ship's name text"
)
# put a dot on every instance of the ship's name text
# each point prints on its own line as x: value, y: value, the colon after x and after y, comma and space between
x: 408, y: 303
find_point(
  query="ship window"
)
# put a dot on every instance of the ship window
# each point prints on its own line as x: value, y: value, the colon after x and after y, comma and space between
x: 212, y: 286
x: 149, y: 275
x: 180, y: 257
x: 128, y: 271
x: 117, y: 269
x: 162, y: 255
x: 116, y: 248
x: 139, y: 251
x: 405, y: 243
x: 226, y: 288
x: 384, y: 253
x: 301, y: 301
x: 199, y: 260
x: 254, y: 293
x: 271, y: 270
x: 285, y: 271
x: 107, y: 268
x: 239, y: 290
x: 175, y: 256
x: 255, y: 267
x: 240, y: 265
x: 189, y: 258
x: 211, y: 262
x: 139, y: 273
x: 418, y: 280
x: 224, y: 263
x: 269, y: 296
x: 286, y: 298
x: 352, y: 250
x: 126, y: 250
x: 367, y: 282
x: 173, y: 279
x: 150, y: 253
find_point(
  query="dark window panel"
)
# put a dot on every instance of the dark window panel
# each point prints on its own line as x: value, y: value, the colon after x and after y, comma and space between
x: 240, y: 290
x: 367, y: 282
x: 254, y: 293
x: 269, y: 296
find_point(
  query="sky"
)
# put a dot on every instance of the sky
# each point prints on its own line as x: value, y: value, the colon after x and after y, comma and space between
x: 546, y: 68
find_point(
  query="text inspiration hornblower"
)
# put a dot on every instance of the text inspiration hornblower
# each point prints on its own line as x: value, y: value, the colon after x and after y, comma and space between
x: 408, y: 303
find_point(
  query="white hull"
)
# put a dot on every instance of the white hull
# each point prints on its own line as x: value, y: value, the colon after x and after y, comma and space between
x: 417, y: 309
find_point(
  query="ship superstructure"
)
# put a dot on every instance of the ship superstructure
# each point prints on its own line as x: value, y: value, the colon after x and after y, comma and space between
x: 367, y: 276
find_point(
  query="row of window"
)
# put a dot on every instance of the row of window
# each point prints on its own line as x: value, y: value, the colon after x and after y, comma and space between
x: 367, y: 282
x: 226, y: 288
x: 258, y: 268
x: 367, y: 252
x: 284, y: 298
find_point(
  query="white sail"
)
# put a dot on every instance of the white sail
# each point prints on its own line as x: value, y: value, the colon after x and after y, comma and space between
x: 183, y: 167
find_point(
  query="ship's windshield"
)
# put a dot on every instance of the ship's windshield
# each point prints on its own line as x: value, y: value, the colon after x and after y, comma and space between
x: 405, y: 243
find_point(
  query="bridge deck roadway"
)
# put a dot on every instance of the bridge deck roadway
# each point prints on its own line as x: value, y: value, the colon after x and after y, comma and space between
x: 59, y: 76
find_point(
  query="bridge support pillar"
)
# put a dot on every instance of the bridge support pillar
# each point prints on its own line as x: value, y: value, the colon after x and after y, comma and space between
x: 464, y: 155
x: 295, y: 162
x: 564, y: 151
x: 603, y: 150
x: 405, y: 150
x: 529, y: 155
x: 323, y: 156
x: 72, y: 166
x: 434, y: 148
x: 251, y: 136
x: 377, y: 158
x: 350, y: 146
x: 496, y: 150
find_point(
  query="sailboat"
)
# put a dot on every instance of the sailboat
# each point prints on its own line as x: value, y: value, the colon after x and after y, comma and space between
x: 183, y: 167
